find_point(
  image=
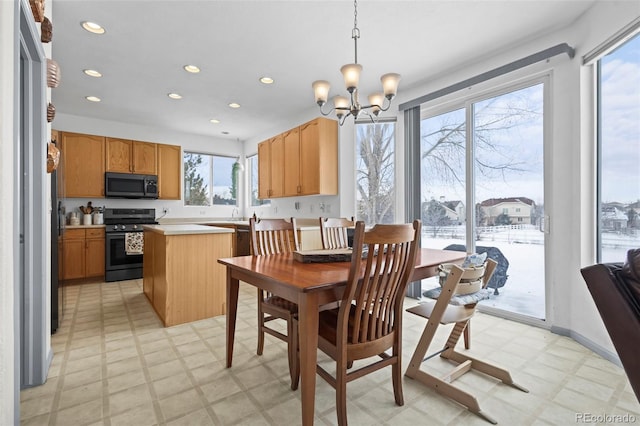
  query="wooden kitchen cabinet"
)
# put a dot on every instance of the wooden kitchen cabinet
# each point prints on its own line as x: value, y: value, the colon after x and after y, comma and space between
x: 169, y: 172
x: 271, y: 168
x: 188, y: 282
x: 95, y: 246
x: 128, y: 156
x: 291, y: 163
x: 147, y: 264
x: 83, y: 253
x: 301, y: 161
x: 264, y: 170
x: 319, y: 157
x: 83, y: 162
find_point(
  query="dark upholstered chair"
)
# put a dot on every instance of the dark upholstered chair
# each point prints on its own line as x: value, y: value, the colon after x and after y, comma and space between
x: 615, y: 288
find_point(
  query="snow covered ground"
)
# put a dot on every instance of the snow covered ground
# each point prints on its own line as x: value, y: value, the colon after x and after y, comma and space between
x: 523, y: 292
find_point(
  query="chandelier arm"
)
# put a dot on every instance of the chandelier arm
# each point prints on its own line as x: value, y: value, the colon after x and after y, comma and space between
x: 325, y: 113
x: 344, y: 117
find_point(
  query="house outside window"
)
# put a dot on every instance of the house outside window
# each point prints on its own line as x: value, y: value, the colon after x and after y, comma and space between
x: 375, y: 172
x: 209, y: 180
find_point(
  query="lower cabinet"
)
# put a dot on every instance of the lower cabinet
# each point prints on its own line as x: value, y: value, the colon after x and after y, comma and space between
x: 147, y: 264
x: 83, y: 253
x: 182, y: 277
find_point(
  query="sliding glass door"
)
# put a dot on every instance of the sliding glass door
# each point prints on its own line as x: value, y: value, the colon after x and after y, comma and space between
x: 482, y: 190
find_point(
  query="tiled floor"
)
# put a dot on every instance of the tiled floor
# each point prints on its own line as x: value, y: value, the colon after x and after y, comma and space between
x: 115, y: 364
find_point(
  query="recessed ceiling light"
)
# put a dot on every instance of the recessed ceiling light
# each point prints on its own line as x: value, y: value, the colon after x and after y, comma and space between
x: 92, y: 27
x: 266, y: 80
x: 93, y: 98
x: 225, y: 133
x: 215, y: 121
x: 92, y: 73
x: 234, y: 105
x: 174, y: 96
x: 192, y: 69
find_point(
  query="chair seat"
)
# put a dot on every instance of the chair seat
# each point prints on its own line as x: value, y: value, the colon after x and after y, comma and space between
x: 451, y: 315
x: 328, y: 324
x: 460, y: 299
x: 282, y: 303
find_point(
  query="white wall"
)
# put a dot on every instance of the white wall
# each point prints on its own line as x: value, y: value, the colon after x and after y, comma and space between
x: 8, y: 377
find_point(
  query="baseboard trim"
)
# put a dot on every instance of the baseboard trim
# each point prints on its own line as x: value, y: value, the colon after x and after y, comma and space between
x: 589, y: 344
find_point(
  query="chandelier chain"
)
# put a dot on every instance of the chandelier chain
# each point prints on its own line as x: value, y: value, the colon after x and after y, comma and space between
x: 355, y: 34
x: 355, y: 14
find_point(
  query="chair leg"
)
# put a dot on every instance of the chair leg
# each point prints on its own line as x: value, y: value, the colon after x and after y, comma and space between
x: 467, y: 335
x: 341, y: 392
x: 260, y: 324
x: 396, y: 376
x: 292, y: 349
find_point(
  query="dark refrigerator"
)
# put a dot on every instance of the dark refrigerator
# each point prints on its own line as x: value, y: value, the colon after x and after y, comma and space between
x: 57, y: 229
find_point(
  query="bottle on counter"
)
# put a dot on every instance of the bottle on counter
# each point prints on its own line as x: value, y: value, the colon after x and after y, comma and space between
x: 74, y: 220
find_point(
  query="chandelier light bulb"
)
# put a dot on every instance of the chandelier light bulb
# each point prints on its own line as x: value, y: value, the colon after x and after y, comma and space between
x: 351, y: 74
x: 390, y: 84
x: 341, y: 105
x: 321, y: 91
x: 376, y: 100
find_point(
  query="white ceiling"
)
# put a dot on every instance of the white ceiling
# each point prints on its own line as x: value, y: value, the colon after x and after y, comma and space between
x: 147, y: 42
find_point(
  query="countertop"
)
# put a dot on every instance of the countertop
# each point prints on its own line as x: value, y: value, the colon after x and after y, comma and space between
x: 302, y: 224
x: 83, y: 226
x: 200, y: 221
x: 186, y: 229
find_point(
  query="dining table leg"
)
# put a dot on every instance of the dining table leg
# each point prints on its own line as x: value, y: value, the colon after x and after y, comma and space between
x: 233, y: 286
x: 308, y: 332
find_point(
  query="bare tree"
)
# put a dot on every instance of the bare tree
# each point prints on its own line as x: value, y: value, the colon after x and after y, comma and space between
x: 443, y: 150
x: 375, y: 174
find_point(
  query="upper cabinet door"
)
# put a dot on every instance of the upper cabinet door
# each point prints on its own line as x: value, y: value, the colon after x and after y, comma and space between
x: 169, y: 172
x: 118, y: 152
x: 127, y: 156
x: 83, y: 163
x: 319, y: 157
x: 277, y: 166
x: 264, y: 170
x: 144, y: 158
x: 291, y: 163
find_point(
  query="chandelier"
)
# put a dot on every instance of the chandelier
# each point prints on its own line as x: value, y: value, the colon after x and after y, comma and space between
x: 344, y: 106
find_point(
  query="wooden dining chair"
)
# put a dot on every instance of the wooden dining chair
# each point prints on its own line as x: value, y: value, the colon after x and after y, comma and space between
x: 268, y: 237
x: 333, y: 232
x: 369, y: 319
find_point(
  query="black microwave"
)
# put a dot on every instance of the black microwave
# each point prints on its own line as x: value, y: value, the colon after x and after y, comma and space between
x: 127, y: 185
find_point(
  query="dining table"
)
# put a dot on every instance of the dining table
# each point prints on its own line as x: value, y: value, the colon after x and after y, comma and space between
x: 310, y: 285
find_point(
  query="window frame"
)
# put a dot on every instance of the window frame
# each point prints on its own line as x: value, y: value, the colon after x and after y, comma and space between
x: 211, y: 182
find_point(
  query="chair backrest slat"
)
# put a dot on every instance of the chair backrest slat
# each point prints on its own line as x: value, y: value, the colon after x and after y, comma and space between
x: 374, y: 303
x: 333, y: 232
x: 273, y: 236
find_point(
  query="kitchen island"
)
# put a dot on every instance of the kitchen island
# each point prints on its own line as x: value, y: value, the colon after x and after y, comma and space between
x: 182, y: 277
